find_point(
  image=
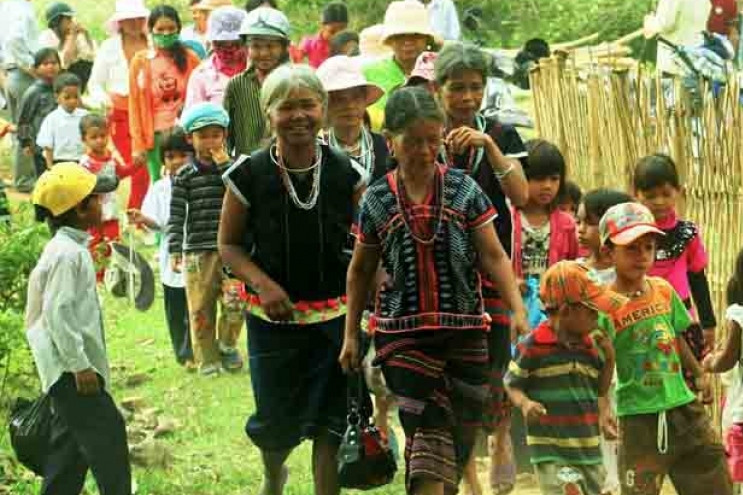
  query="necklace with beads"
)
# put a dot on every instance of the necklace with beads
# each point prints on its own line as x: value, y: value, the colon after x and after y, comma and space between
x: 475, y: 154
x: 278, y: 159
x: 362, y: 152
x: 636, y: 294
x: 405, y: 208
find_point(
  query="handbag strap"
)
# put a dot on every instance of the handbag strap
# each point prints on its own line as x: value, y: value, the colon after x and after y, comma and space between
x: 354, y: 397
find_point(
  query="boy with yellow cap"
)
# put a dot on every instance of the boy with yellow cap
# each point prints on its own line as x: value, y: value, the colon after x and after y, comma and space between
x: 559, y: 379
x: 663, y: 428
x: 65, y: 333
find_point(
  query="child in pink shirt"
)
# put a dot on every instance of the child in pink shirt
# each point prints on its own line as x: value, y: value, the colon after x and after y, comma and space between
x: 317, y: 48
x: 680, y: 257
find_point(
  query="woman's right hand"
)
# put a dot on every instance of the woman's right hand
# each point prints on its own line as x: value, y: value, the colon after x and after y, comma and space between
x: 276, y: 303
x: 349, y: 357
x: 139, y: 158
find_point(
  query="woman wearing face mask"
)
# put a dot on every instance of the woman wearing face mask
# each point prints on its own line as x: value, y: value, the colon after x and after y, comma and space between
x: 158, y: 79
x: 109, y: 84
x: 229, y: 57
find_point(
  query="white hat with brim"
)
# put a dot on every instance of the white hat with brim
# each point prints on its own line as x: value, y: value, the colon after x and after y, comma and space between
x: 265, y: 22
x: 341, y: 72
x: 125, y: 10
x: 212, y: 4
x: 407, y: 17
x: 225, y: 23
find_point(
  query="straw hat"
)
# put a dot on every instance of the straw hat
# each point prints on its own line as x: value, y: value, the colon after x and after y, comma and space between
x: 370, y: 42
x: 212, y: 4
x: 342, y: 72
x: 126, y: 9
x: 407, y: 17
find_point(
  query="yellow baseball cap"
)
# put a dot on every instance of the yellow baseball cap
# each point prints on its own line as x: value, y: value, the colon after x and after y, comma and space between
x: 65, y: 185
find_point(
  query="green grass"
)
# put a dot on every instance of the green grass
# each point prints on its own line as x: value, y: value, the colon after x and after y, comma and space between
x: 211, y: 453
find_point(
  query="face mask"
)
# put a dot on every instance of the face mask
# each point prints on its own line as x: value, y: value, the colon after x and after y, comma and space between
x: 165, y: 40
x: 230, y: 60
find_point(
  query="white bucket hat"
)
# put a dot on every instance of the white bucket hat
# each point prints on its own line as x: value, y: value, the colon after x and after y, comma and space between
x: 126, y: 9
x: 370, y: 42
x: 407, y: 17
x: 342, y: 72
x: 212, y: 4
x: 224, y: 24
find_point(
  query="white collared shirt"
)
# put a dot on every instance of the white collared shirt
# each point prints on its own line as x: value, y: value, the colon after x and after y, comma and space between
x: 20, y: 35
x: 156, y: 206
x: 64, y: 324
x: 60, y: 131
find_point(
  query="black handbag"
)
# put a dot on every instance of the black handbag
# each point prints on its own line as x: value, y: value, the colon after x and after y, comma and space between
x: 365, y: 461
x: 30, y: 429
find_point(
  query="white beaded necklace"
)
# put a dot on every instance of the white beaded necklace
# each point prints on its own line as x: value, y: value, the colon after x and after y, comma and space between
x: 365, y: 148
x: 284, y: 171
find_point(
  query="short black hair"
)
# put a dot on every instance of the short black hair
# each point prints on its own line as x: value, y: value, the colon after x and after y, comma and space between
x: 45, y: 54
x: 654, y: 171
x: 335, y: 12
x: 66, y: 219
x: 65, y: 80
x: 598, y: 201
x: 545, y: 160
x: 174, y: 140
x: 572, y: 193
x: 340, y: 40
x: 92, y: 121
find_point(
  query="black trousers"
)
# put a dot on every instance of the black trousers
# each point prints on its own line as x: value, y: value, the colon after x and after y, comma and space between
x: 176, y: 313
x: 87, y: 432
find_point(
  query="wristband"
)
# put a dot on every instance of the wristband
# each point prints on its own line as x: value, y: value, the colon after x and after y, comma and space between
x: 502, y: 175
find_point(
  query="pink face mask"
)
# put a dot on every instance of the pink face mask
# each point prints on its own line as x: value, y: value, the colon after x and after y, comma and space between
x: 230, y: 60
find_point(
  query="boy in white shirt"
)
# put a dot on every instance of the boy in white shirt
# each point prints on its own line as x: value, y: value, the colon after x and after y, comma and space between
x: 155, y: 214
x: 65, y: 333
x: 59, y: 136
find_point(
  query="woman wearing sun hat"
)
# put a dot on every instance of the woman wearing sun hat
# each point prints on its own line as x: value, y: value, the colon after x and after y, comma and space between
x: 408, y: 33
x: 349, y: 95
x: 108, y: 86
x: 229, y: 57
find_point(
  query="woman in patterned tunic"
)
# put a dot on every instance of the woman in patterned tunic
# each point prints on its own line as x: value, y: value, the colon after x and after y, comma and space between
x: 296, y: 200
x: 489, y: 152
x: 430, y: 226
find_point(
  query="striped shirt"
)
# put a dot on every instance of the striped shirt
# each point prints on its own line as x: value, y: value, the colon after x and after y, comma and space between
x: 566, y: 381
x: 242, y: 100
x: 195, y: 208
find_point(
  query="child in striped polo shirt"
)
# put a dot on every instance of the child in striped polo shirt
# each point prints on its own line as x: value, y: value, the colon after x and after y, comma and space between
x: 560, y: 377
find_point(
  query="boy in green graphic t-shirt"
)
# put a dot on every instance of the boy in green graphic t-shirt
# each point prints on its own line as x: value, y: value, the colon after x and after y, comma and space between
x: 663, y: 427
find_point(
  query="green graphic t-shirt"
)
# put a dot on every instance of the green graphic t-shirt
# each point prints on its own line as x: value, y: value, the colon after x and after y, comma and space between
x: 648, y: 362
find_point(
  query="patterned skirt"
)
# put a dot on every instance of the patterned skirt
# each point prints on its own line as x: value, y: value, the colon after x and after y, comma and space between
x: 439, y: 378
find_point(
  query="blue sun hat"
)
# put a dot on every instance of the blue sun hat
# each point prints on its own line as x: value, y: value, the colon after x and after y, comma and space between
x: 203, y: 115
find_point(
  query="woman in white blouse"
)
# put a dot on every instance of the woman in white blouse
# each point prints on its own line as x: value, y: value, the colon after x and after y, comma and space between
x: 681, y: 22
x: 109, y: 84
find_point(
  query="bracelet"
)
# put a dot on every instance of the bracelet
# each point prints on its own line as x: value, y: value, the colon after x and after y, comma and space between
x: 502, y: 175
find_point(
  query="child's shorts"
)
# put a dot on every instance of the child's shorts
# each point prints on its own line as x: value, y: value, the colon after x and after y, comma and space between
x: 687, y: 449
x: 734, y: 443
x: 559, y: 479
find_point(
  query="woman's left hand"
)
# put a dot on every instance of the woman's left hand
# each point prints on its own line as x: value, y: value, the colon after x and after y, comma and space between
x: 462, y: 138
x: 349, y: 357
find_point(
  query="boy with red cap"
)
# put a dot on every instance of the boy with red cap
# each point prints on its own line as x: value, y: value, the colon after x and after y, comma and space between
x: 663, y: 427
x: 559, y: 379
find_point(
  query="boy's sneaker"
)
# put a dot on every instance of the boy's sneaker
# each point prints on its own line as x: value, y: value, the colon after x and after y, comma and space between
x: 214, y: 369
x: 231, y: 359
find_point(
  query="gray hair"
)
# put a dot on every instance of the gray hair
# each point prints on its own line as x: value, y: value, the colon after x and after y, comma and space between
x: 457, y: 57
x: 285, y: 79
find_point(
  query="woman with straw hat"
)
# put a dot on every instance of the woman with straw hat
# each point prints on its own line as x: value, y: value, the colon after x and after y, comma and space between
x: 349, y: 95
x: 108, y: 86
x: 408, y: 33
x: 296, y: 198
x: 229, y: 58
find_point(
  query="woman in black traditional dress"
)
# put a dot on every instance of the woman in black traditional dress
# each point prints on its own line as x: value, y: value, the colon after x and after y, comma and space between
x: 295, y: 200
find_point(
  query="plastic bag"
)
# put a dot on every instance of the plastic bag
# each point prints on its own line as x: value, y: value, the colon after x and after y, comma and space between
x: 30, y: 429
x: 533, y: 303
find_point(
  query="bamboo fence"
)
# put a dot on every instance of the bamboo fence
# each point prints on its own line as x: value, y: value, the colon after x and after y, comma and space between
x: 604, y: 117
